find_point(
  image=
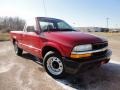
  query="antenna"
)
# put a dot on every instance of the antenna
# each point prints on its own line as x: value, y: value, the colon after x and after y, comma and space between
x: 45, y: 9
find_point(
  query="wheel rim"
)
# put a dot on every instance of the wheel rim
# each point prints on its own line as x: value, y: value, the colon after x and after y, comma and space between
x: 54, y: 65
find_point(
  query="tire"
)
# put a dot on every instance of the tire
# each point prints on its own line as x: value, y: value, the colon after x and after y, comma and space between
x: 54, y: 65
x: 18, y: 50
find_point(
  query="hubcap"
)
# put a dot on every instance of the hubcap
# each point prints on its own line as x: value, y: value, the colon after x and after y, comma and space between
x: 54, y: 65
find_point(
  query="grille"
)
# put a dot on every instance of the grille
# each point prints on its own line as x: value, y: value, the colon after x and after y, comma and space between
x: 93, y: 57
x: 99, y: 54
x: 99, y: 46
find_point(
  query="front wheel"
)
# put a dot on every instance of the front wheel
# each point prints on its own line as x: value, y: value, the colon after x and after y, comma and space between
x: 54, y: 65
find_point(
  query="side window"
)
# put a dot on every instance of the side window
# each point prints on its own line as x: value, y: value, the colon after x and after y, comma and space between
x: 30, y: 29
x: 46, y: 25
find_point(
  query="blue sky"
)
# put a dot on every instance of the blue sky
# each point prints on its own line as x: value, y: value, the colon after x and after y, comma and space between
x: 82, y: 13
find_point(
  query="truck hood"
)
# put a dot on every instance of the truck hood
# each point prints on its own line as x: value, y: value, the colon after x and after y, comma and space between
x: 74, y: 37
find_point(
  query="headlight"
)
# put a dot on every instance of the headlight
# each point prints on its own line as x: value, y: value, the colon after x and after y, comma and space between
x: 81, y: 48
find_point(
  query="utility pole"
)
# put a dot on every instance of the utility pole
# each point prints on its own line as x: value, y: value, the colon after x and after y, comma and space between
x: 45, y: 9
x: 107, y: 22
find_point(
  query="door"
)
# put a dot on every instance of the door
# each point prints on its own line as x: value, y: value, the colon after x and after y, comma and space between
x: 33, y: 41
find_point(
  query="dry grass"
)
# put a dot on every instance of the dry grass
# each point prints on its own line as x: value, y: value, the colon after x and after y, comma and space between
x: 4, y: 36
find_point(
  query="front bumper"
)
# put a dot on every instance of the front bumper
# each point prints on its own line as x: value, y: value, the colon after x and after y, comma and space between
x: 73, y: 66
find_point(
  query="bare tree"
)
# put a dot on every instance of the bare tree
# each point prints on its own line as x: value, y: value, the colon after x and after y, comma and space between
x: 11, y: 23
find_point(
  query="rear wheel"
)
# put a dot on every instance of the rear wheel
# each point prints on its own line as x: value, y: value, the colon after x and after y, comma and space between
x: 54, y: 65
x: 18, y: 50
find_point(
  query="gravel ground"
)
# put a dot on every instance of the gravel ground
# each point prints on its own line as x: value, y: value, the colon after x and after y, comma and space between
x: 22, y: 73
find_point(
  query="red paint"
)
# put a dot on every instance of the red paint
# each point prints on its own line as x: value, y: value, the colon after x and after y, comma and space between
x: 63, y: 41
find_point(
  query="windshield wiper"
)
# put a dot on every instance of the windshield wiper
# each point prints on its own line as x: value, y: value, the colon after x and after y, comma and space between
x: 51, y: 30
x: 68, y: 30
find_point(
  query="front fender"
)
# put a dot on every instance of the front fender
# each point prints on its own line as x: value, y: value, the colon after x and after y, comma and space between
x: 54, y: 45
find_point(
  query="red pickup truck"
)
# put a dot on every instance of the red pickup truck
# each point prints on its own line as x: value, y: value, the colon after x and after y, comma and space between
x: 60, y: 48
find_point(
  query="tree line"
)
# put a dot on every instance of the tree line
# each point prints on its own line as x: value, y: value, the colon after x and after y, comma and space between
x: 11, y: 23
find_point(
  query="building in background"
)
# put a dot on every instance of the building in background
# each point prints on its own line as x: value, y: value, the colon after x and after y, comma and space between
x: 89, y: 29
x: 96, y: 29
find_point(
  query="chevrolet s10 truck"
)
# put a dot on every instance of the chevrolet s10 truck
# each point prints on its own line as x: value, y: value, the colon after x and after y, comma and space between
x: 59, y: 47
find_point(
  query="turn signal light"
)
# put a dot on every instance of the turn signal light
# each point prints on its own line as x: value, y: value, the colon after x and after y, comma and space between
x: 80, y: 55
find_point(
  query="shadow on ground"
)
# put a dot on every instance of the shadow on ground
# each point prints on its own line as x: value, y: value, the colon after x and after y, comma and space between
x: 28, y: 56
x: 106, y: 77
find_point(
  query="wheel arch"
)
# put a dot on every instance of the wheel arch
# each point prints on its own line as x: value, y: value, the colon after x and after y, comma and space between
x: 50, y: 48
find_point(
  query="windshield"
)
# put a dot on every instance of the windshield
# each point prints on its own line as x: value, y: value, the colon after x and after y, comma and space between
x: 54, y: 25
